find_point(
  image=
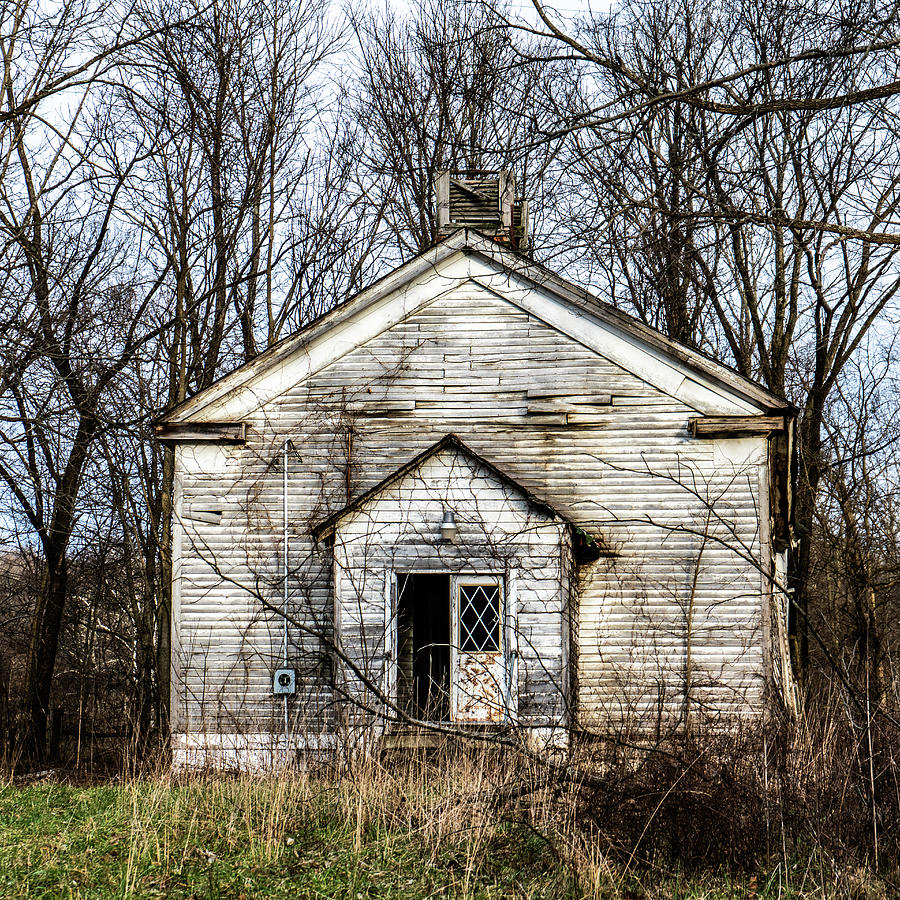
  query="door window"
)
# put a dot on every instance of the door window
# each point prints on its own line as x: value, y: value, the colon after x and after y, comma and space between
x: 478, y: 669
x: 479, y: 618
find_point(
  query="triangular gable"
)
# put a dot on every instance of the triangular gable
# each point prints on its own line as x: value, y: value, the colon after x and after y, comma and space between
x: 407, y: 288
x: 586, y: 547
x: 528, y: 276
x: 467, y: 257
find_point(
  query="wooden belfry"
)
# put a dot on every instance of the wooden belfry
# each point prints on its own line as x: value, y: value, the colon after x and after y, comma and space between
x: 484, y: 200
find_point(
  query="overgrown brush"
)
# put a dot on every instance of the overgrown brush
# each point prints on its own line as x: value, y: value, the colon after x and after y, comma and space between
x: 824, y: 788
x: 777, y: 812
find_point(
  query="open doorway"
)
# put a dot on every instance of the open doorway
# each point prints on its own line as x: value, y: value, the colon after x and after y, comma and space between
x: 423, y: 645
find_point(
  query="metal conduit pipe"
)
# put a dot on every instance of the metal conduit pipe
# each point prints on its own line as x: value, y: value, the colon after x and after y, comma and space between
x: 284, y: 599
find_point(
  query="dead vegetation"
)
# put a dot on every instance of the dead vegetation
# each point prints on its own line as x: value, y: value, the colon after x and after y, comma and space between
x: 776, y: 813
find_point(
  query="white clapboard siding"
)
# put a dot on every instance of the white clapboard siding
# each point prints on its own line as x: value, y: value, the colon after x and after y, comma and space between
x: 499, y: 532
x: 468, y: 363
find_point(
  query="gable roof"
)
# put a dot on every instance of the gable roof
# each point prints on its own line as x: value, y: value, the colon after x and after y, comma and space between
x: 413, y: 280
x: 587, y: 546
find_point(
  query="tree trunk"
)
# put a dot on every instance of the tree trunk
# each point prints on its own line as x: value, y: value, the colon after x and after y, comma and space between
x: 42, y: 656
x: 810, y: 434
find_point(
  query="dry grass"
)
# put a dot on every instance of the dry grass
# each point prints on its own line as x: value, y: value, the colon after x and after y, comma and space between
x: 461, y: 824
x: 386, y: 831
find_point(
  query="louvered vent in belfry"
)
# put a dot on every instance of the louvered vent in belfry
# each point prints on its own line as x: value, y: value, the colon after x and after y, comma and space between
x: 484, y: 200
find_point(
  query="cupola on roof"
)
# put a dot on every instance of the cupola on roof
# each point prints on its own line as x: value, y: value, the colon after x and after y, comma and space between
x: 485, y: 200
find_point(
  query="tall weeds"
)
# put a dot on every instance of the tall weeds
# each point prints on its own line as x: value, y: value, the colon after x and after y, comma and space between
x: 788, y: 810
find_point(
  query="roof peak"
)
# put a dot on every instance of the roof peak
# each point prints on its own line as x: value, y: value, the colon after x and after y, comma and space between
x: 467, y: 240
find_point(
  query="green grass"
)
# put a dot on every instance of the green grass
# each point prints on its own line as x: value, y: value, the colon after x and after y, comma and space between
x: 247, y: 839
x: 378, y: 835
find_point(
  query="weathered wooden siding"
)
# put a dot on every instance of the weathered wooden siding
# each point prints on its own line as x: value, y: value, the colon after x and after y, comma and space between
x: 499, y: 534
x: 627, y: 470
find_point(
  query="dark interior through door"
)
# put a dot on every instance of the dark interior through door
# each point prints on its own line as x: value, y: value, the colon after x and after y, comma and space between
x: 423, y: 645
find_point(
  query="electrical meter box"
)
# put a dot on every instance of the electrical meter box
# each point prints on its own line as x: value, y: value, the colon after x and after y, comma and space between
x: 284, y: 682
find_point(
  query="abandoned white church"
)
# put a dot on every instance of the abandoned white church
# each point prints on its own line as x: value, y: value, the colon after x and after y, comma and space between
x: 474, y: 497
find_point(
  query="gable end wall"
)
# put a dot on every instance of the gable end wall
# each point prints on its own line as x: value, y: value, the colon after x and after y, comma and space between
x: 683, y: 516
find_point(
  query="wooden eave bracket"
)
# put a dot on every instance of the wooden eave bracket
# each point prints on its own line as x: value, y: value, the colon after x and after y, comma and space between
x: 202, y: 432
x: 735, y: 426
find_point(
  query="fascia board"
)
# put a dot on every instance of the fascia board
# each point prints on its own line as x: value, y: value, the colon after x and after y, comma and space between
x: 332, y: 343
x: 615, y: 344
x: 697, y: 368
x: 409, y: 288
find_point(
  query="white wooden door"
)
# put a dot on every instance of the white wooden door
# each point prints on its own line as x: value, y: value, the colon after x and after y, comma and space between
x: 477, y: 664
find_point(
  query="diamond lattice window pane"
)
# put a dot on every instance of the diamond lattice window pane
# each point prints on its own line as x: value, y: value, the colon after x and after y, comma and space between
x: 479, y: 618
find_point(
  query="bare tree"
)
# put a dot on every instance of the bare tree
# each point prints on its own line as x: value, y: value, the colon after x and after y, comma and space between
x: 739, y: 157
x: 75, y: 310
x: 441, y: 88
x: 859, y: 40
x: 854, y: 567
x: 231, y: 99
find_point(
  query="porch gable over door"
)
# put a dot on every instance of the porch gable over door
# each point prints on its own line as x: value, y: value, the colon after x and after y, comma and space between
x: 503, y: 535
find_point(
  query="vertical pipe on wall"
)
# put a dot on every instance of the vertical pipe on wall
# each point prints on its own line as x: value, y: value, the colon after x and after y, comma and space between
x: 284, y: 598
